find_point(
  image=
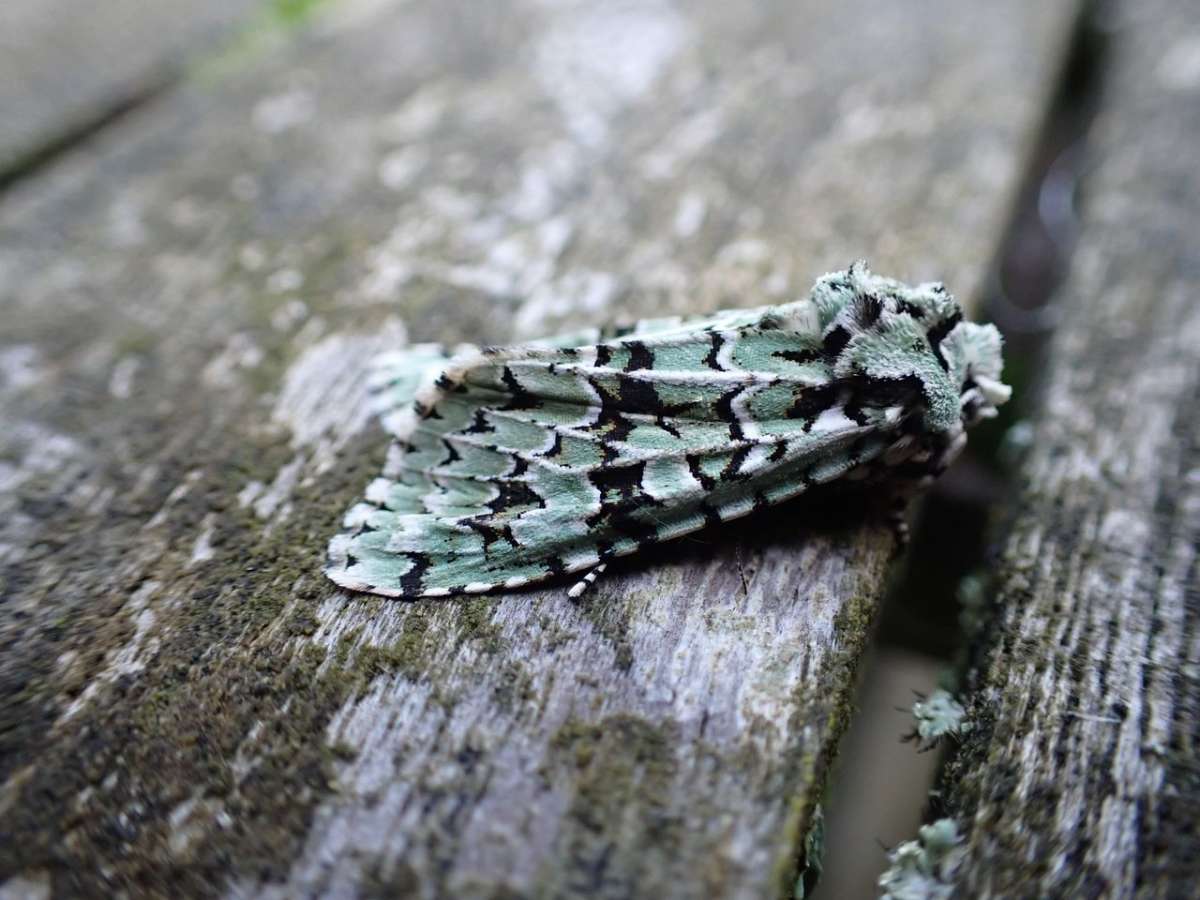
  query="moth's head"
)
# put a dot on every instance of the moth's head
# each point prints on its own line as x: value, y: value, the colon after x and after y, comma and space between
x: 892, y: 337
x: 973, y: 354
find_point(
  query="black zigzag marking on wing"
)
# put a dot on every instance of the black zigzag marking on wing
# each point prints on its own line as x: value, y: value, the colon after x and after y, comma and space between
x: 812, y: 401
x: 636, y: 395
x: 712, y: 358
x: 633, y: 397
x: 624, y: 481
x: 556, y: 448
x: 411, y: 581
x: 519, y: 397
x: 724, y: 410
x: 640, y: 356
x: 706, y: 481
x: 513, y: 495
x: 801, y: 357
x: 618, y: 410
x: 514, y: 492
x: 452, y: 455
x: 479, y: 423
x: 732, y: 470
x: 490, y: 533
x: 613, y: 428
x: 668, y: 426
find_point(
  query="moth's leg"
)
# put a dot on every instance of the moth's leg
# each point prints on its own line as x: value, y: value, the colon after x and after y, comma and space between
x: 900, y: 497
x: 941, y: 462
x: 898, y: 517
x: 906, y: 488
x: 737, y: 550
x: 586, y: 581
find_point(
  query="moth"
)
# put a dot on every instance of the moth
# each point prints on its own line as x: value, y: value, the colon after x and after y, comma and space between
x: 516, y: 465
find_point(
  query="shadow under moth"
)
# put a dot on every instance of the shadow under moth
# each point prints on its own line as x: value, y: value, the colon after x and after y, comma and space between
x: 515, y: 465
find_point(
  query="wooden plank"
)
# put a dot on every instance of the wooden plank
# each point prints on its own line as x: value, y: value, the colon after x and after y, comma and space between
x: 63, y: 67
x: 1080, y: 778
x: 188, y: 707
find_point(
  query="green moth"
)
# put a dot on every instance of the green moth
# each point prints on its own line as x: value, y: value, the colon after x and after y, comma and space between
x: 516, y: 465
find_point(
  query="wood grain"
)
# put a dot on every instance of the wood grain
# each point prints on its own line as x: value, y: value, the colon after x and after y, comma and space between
x: 1081, y: 778
x: 187, y: 705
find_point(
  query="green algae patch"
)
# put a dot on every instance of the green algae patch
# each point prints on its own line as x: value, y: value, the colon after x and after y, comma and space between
x: 408, y: 655
x: 474, y: 621
x: 345, y: 646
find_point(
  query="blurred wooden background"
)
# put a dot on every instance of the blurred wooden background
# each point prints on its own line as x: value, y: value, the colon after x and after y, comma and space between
x: 212, y: 215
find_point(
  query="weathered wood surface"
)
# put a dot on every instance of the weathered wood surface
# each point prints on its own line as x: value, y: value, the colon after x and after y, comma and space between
x: 1082, y: 777
x: 63, y: 64
x: 187, y: 706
